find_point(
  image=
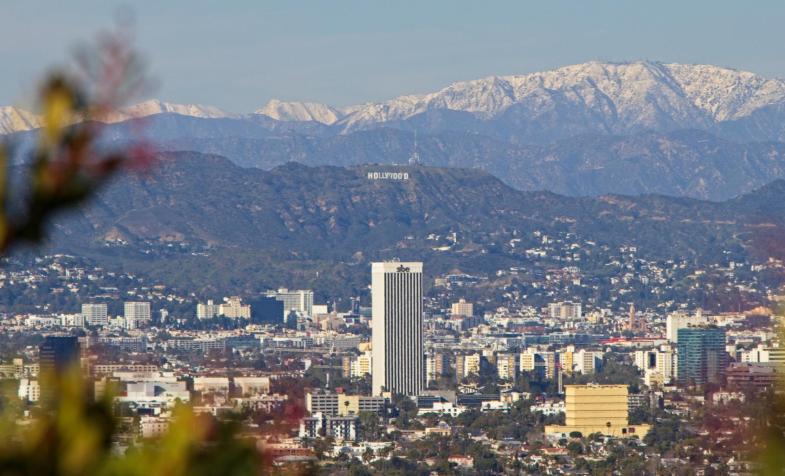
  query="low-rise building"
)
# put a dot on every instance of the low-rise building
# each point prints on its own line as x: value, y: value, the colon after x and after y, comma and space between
x: 596, y: 409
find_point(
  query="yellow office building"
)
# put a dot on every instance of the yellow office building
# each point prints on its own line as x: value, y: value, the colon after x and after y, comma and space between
x: 596, y: 409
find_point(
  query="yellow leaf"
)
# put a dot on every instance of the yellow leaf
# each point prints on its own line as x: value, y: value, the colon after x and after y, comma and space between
x: 57, y: 113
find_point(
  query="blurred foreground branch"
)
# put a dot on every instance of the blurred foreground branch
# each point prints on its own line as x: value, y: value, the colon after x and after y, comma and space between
x: 74, y: 434
x: 67, y: 165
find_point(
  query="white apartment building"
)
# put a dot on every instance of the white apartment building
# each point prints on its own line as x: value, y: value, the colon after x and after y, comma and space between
x: 233, y: 308
x: 507, y: 366
x: 658, y: 365
x: 537, y: 360
x: 462, y: 308
x: 587, y: 361
x: 212, y: 385
x: 565, y: 311
x: 207, y: 311
x: 29, y: 390
x: 137, y: 314
x: 677, y: 321
x: 153, y: 426
x: 251, y: 386
x: 95, y: 314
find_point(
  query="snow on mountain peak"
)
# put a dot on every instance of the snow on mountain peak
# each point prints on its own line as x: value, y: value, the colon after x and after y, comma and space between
x: 614, y: 98
x: 639, y: 94
x: 155, y: 106
x: 300, y: 111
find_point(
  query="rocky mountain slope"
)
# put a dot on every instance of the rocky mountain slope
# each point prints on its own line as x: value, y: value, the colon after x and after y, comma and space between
x: 680, y: 163
x: 325, y: 211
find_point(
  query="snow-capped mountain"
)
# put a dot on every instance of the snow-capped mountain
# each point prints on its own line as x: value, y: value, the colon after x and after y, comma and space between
x: 300, y: 111
x: 610, y: 97
x: 14, y: 119
x: 587, y: 98
x: 154, y: 106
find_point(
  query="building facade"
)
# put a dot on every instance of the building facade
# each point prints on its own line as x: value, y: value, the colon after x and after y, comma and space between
x: 338, y: 404
x: 569, y: 311
x: 397, y: 328
x: 136, y: 313
x: 95, y: 314
x: 702, y: 357
x: 298, y: 300
x: 233, y: 308
x: 207, y: 311
x: 596, y: 409
x: 462, y: 308
x: 507, y: 366
x: 56, y: 355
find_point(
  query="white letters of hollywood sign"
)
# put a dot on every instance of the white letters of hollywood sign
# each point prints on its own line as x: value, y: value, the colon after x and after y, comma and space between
x: 388, y: 175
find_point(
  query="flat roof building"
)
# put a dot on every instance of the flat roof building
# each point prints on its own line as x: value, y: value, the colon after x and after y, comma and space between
x: 702, y: 357
x: 397, y: 328
x: 596, y: 409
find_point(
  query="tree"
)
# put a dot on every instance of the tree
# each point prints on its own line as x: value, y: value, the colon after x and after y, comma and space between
x: 575, y: 448
x: 406, y: 411
x: 323, y: 446
x: 370, y: 424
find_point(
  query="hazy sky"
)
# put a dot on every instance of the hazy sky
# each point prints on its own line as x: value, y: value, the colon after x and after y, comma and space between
x: 239, y: 54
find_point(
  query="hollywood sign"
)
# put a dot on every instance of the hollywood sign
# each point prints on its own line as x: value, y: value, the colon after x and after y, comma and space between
x: 388, y: 175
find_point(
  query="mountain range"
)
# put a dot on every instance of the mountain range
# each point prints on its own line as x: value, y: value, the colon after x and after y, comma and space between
x: 588, y: 129
x: 243, y: 228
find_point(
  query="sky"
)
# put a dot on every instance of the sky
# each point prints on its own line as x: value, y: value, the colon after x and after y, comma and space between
x: 238, y: 54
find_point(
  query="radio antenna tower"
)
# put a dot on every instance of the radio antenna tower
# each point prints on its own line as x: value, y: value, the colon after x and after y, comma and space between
x: 414, y: 159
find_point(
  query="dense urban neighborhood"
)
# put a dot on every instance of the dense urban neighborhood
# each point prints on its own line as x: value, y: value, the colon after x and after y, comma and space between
x: 556, y: 370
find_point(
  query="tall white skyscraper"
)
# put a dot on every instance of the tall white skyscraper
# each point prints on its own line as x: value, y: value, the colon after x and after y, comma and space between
x: 95, y: 314
x: 397, y: 327
x: 136, y: 313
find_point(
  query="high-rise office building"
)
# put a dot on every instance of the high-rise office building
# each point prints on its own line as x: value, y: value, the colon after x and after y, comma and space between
x: 56, y: 353
x: 702, y: 357
x: 95, y: 314
x: 397, y: 328
x: 299, y: 300
x: 136, y: 314
x: 55, y: 356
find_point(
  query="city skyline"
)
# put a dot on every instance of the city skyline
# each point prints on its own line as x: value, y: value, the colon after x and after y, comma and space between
x: 575, y: 271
